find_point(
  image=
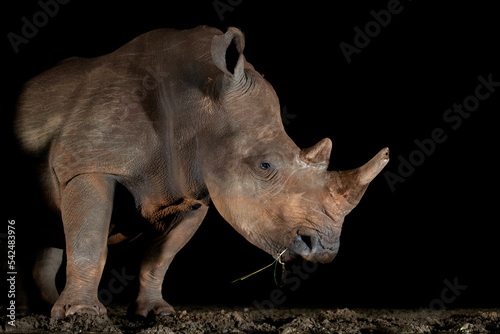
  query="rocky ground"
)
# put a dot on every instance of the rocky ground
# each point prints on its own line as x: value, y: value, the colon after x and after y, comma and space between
x: 285, y: 321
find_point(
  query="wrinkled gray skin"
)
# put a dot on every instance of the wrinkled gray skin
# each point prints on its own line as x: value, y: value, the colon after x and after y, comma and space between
x: 172, y: 120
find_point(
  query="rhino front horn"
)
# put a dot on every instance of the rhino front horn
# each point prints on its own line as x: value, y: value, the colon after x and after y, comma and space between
x: 368, y: 171
x: 352, y: 184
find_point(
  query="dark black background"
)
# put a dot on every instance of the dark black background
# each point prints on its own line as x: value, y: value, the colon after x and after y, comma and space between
x: 398, y: 247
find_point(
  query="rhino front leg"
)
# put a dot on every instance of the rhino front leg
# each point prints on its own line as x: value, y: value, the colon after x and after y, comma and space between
x: 158, y: 258
x: 86, y: 207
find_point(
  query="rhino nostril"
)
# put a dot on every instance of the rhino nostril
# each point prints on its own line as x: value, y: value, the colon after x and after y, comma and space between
x: 307, y: 240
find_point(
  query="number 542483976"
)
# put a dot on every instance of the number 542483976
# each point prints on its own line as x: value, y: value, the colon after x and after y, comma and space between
x: 11, y: 244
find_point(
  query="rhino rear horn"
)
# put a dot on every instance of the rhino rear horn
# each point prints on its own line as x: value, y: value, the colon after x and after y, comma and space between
x: 227, y: 52
x: 319, y: 154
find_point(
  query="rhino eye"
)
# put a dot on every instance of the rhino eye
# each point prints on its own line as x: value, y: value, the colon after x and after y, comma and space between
x: 265, y: 165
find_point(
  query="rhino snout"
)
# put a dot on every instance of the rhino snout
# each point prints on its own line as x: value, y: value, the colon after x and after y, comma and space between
x: 311, y: 248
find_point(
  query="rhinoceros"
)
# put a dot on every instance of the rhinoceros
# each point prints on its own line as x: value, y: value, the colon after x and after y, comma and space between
x: 180, y: 120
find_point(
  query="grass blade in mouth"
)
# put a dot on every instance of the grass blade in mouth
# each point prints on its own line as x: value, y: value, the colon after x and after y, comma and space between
x: 275, y: 262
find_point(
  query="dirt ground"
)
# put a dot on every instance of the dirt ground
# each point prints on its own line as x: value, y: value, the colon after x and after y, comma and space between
x: 193, y: 320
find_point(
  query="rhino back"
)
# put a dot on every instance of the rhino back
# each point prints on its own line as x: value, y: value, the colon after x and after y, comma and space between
x: 114, y: 113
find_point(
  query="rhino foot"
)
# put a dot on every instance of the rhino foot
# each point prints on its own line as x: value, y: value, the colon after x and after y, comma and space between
x: 62, y: 309
x: 156, y: 307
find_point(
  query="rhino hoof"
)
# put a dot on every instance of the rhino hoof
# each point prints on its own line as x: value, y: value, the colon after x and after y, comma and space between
x: 156, y: 308
x: 63, y: 311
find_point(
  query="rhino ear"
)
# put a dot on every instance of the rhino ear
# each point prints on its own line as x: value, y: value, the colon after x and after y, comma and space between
x: 227, y: 52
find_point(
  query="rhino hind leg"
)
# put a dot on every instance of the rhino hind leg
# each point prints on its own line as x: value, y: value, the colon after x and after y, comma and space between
x: 47, y: 264
x: 158, y: 259
x: 86, y: 206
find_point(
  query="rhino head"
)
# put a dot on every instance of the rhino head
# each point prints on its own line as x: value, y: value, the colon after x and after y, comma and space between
x: 272, y: 192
